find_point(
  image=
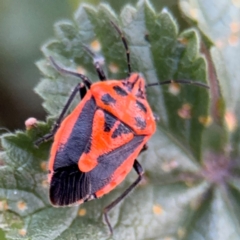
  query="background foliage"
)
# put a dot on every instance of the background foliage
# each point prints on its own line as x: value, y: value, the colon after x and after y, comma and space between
x: 191, y: 190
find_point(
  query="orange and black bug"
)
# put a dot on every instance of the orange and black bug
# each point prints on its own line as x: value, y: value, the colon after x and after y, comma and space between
x: 97, y: 145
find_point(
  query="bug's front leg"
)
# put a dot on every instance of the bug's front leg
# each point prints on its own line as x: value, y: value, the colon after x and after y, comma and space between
x: 79, y: 88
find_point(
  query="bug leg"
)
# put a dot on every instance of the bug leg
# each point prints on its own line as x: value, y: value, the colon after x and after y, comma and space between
x: 156, y: 117
x: 144, y: 148
x: 82, y: 91
x: 99, y: 70
x: 98, y: 62
x: 87, y: 82
x: 125, y: 45
x: 138, y: 168
x: 79, y: 88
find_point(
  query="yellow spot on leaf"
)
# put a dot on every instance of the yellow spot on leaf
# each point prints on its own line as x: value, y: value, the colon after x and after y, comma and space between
x: 189, y: 183
x: 45, y: 183
x: 169, y: 166
x: 233, y: 40
x: 21, y: 205
x: 194, y: 13
x: 236, y: 3
x: 183, y: 40
x: 43, y: 166
x: 188, y: 180
x: 185, y: 111
x: 174, y: 88
x: 235, y: 27
x: 22, y: 232
x: 113, y: 68
x: 157, y: 209
x: 195, y: 204
x: 231, y: 121
x: 82, y: 212
x: 3, y: 205
x: 82, y: 70
x: 95, y: 45
x: 181, y: 232
x: 220, y: 44
x: 205, y: 121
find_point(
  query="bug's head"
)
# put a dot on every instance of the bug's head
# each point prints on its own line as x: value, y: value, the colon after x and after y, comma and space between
x: 136, y: 85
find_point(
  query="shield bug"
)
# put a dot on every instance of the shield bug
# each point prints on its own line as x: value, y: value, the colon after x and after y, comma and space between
x: 98, y: 143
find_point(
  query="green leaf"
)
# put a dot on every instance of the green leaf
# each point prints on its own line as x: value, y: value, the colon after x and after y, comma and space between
x: 219, y: 20
x: 165, y: 205
x: 167, y: 58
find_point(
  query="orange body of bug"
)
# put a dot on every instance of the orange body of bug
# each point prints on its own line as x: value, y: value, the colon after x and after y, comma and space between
x: 101, y: 147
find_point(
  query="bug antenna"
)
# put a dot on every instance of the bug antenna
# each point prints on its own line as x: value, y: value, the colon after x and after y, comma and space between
x: 89, y: 51
x: 96, y: 58
x: 98, y: 62
x: 199, y: 84
x: 86, y: 81
x: 125, y: 45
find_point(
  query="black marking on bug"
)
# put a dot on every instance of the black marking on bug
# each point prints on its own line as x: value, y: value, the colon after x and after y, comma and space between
x: 69, y: 185
x: 88, y: 145
x: 49, y: 171
x: 135, y: 81
x: 120, y: 91
x: 141, y: 106
x: 108, y: 163
x: 108, y: 99
x: 141, y: 95
x: 141, y: 123
x: 121, y: 129
x: 109, y: 121
x: 130, y: 85
x: 80, y: 136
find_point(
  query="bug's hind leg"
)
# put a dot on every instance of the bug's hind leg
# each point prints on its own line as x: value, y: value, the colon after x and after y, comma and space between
x: 81, y: 88
x: 138, y: 168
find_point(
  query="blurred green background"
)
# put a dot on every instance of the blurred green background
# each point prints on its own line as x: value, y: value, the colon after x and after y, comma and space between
x: 24, y: 27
